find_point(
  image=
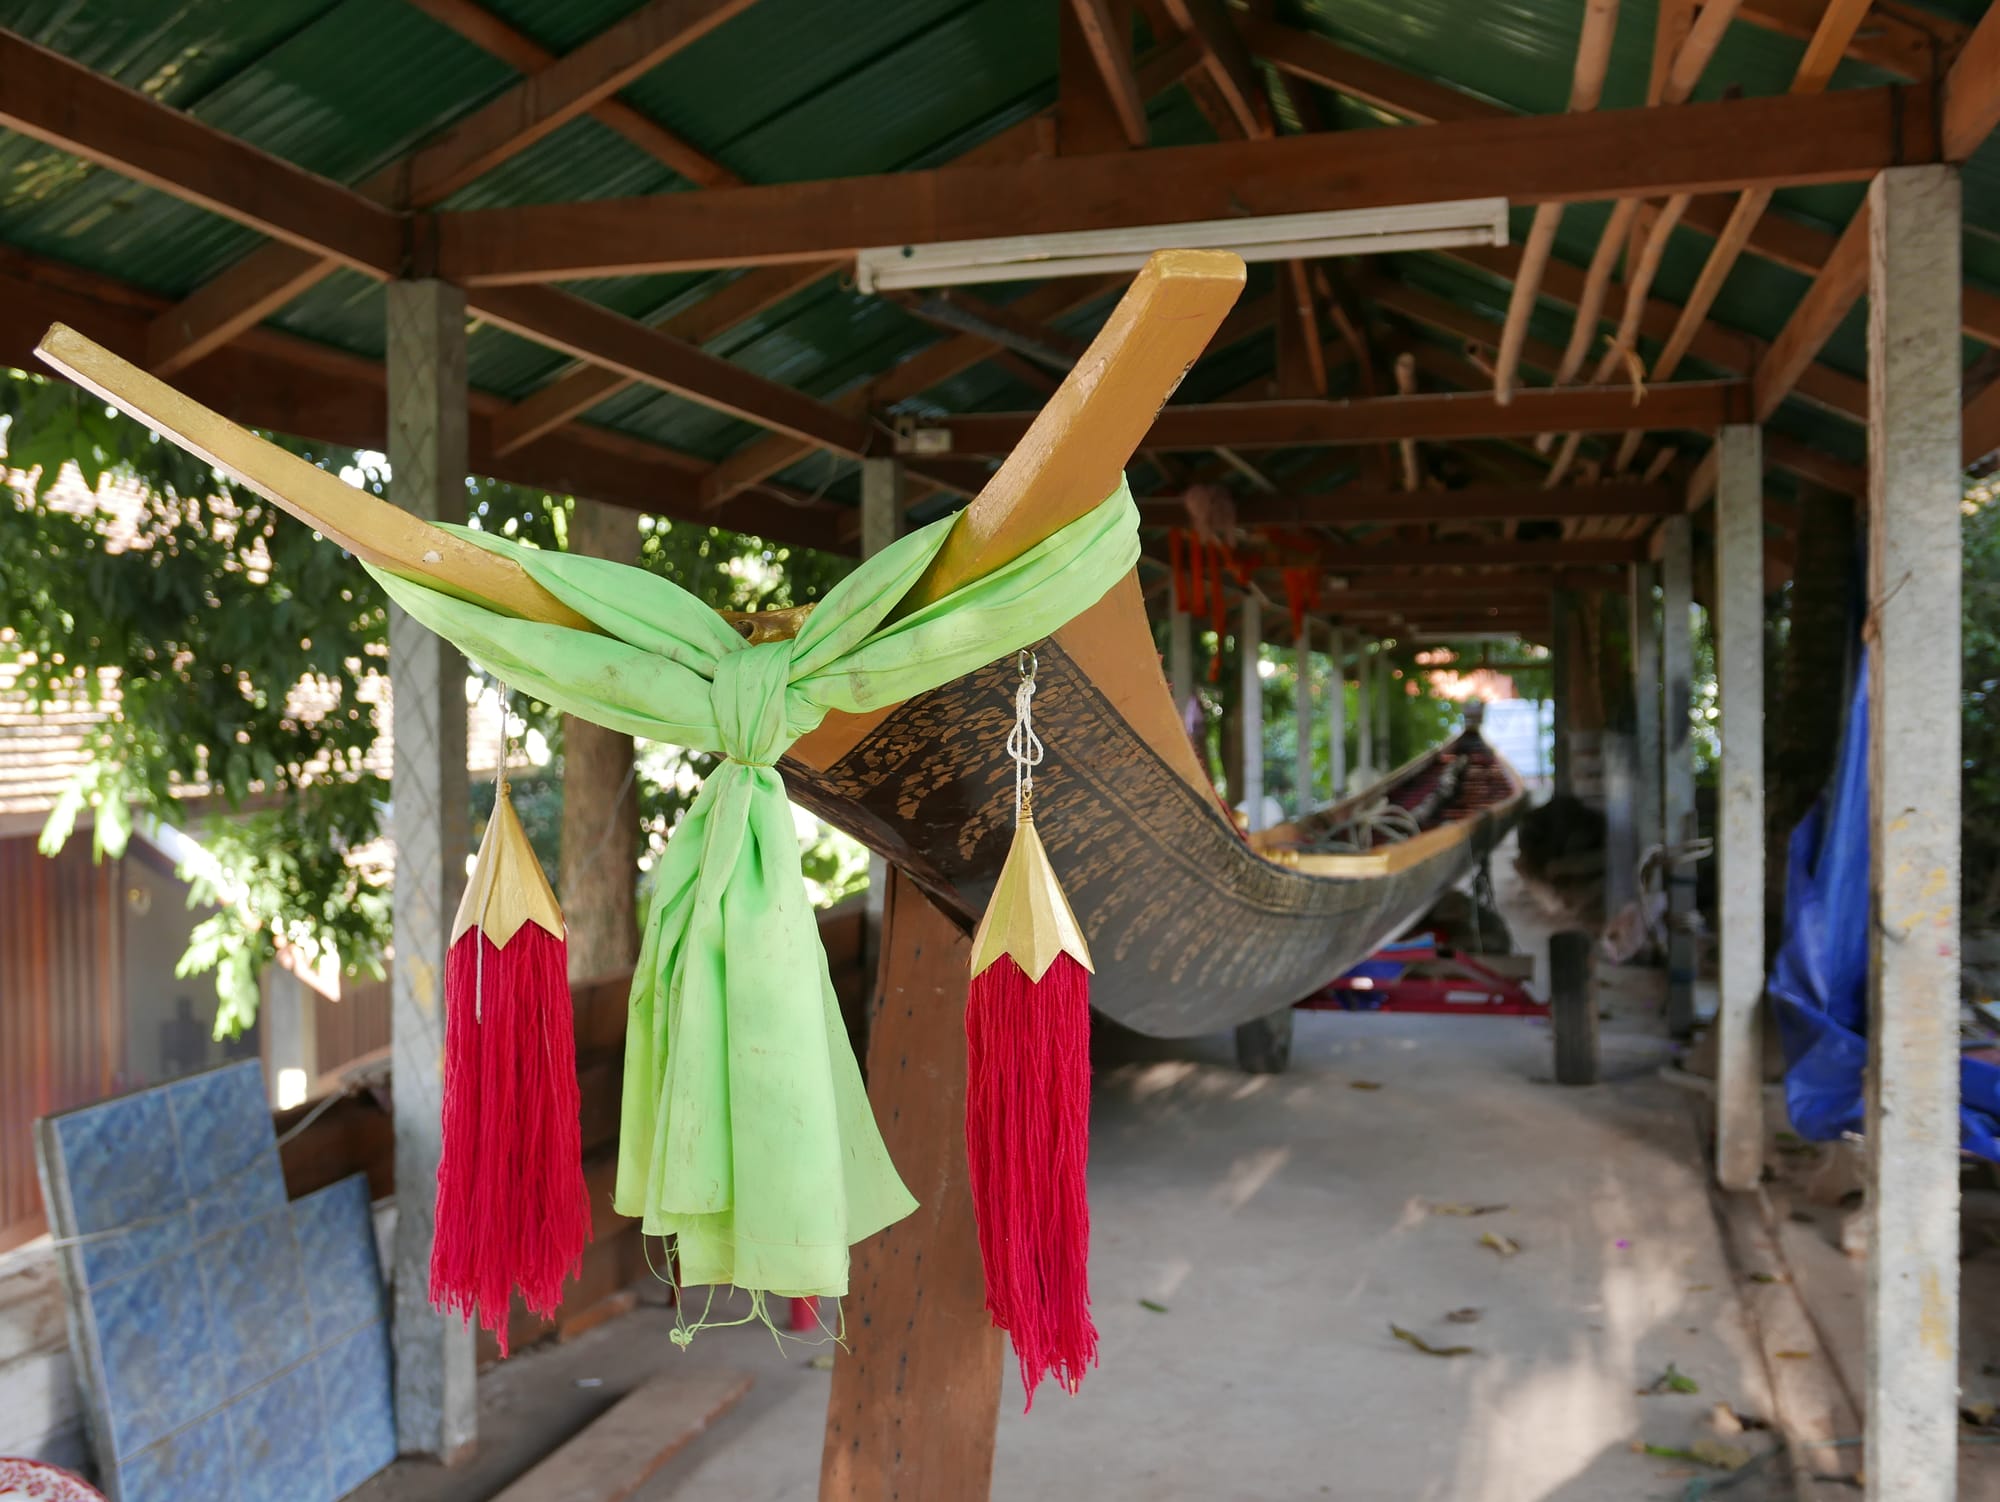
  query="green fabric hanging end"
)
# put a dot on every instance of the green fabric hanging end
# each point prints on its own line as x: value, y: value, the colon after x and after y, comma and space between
x: 745, y: 1130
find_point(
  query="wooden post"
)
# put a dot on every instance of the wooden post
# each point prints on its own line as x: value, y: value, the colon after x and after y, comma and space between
x: 1914, y: 562
x: 600, y: 797
x: 1364, y: 739
x: 916, y: 1392
x: 1385, y: 725
x: 1249, y: 642
x: 881, y: 523
x: 1646, y: 694
x: 1677, y: 763
x: 1336, y: 715
x: 430, y: 822
x: 1302, y: 720
x: 1739, y: 653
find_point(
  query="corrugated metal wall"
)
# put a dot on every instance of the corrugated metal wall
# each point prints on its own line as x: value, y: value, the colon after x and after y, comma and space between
x: 61, y: 1005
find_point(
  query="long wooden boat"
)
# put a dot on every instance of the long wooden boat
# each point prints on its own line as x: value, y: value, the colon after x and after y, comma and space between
x: 1193, y: 927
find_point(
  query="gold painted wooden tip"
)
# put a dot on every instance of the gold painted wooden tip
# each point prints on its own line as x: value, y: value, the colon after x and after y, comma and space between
x: 507, y: 888
x: 1028, y: 917
x: 1196, y: 265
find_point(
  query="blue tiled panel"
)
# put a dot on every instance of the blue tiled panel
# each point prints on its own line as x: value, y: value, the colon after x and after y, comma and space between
x: 275, y: 1437
x: 256, y: 1301
x: 336, y: 1236
x: 236, y: 1348
x: 153, y: 1334
x: 357, y: 1395
x: 223, y: 1121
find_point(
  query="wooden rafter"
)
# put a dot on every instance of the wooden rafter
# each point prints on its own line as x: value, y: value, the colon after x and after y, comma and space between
x: 1972, y: 91
x: 555, y: 93
x: 1841, y: 136
x: 1699, y: 406
x: 1899, y: 39
x: 1343, y: 557
x: 1354, y: 505
x: 1107, y: 32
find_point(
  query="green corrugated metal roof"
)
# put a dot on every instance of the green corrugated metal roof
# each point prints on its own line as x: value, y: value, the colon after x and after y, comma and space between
x: 799, y: 89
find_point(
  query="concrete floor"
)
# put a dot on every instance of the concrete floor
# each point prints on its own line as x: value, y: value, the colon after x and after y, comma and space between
x: 1283, y: 1222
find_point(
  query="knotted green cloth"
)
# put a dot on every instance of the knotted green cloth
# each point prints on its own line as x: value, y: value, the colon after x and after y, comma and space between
x: 745, y: 1129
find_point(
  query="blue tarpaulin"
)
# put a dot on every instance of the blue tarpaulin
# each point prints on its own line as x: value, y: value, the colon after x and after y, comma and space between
x: 1819, y: 982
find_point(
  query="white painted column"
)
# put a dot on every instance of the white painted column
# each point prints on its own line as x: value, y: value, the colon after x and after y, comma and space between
x: 881, y: 522
x: 1739, y: 654
x: 1364, y: 715
x: 1302, y: 719
x: 1914, y: 485
x: 1646, y: 721
x: 431, y: 822
x: 1249, y: 638
x: 1677, y: 762
x: 1336, y: 715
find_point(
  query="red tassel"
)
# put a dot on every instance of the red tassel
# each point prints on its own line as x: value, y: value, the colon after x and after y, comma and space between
x: 1027, y: 1142
x: 512, y: 1209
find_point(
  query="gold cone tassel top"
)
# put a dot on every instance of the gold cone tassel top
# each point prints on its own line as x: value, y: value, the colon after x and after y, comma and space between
x: 507, y: 887
x: 1028, y: 917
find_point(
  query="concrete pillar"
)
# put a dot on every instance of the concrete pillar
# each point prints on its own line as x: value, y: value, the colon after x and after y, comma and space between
x: 1677, y: 762
x: 1364, y: 715
x: 1302, y: 719
x: 1336, y: 715
x: 1249, y: 639
x: 1646, y: 694
x: 881, y: 524
x: 430, y: 821
x: 1914, y: 485
x: 1385, y: 686
x: 1739, y: 654
x: 291, y: 1037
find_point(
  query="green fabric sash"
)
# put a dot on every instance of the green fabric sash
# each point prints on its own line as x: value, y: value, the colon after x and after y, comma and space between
x: 745, y: 1129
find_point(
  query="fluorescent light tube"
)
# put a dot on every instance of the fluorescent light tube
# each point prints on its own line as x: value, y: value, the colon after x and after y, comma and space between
x: 1273, y: 237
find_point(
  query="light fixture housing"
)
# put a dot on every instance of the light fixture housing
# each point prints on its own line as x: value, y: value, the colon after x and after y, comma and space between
x: 1271, y: 237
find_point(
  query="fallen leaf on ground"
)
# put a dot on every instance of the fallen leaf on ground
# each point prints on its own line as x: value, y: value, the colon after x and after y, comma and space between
x: 823, y: 1363
x: 1364, y: 1084
x: 1725, y: 1420
x: 1149, y: 1304
x: 1467, y: 1316
x: 1506, y: 1246
x: 1673, y: 1379
x: 1411, y: 1338
x: 1699, y: 1287
x: 1765, y: 1278
x: 1977, y: 1414
x: 1794, y: 1355
x: 1466, y: 1210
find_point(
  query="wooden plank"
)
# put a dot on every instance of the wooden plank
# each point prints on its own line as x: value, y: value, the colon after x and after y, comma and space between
x: 566, y: 88
x: 1837, y: 288
x: 1353, y: 504
x: 1343, y: 556
x: 1699, y: 406
x: 1696, y: 148
x: 595, y: 333
x: 1898, y: 39
x: 1227, y: 63
x: 619, y: 1452
x: 1972, y: 91
x: 1304, y: 54
x: 63, y: 104
x: 1107, y: 33
x: 916, y: 1391
x: 1087, y: 118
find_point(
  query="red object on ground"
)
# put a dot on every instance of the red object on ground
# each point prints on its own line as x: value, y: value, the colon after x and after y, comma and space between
x: 1418, y: 976
x: 805, y: 1314
x: 512, y: 1209
x: 1027, y: 1142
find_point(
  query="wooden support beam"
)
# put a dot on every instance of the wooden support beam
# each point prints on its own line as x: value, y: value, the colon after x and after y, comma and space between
x: 1739, y: 656
x: 916, y: 1383
x: 63, y: 104
x: 1107, y: 32
x: 525, y: 55
x: 1227, y: 63
x: 1972, y: 92
x: 1698, y: 406
x: 1336, y: 714
x: 570, y: 396
x: 1898, y: 38
x: 1914, y: 586
x: 1835, y: 137
x: 1360, y: 504
x: 1341, y: 557
x: 1837, y: 288
x: 556, y: 91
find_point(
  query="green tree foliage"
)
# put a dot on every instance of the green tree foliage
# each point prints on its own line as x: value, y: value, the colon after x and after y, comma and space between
x: 211, y: 608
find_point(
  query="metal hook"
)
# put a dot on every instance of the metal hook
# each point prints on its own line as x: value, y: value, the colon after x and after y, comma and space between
x: 1026, y: 662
